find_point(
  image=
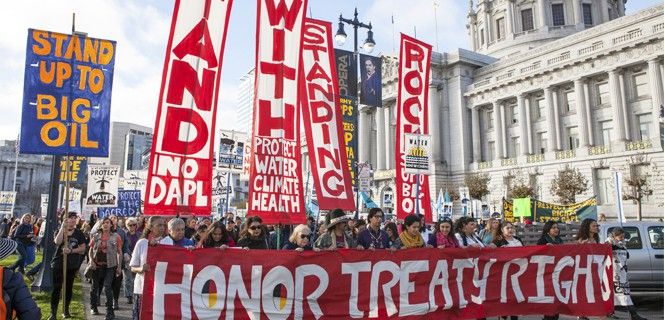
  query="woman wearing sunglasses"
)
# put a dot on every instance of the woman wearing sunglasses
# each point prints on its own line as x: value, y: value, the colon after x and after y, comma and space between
x: 253, y: 235
x: 299, y: 239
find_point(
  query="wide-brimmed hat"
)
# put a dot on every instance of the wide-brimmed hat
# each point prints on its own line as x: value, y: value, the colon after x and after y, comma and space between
x: 337, y: 216
x: 7, y: 247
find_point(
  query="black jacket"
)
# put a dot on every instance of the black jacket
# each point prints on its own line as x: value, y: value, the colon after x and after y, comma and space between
x: 17, y: 297
x: 249, y: 242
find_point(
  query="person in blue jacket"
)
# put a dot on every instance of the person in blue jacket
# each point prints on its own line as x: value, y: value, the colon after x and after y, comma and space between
x: 15, y: 294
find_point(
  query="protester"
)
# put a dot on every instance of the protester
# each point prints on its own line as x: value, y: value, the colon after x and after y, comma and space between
x: 231, y: 230
x: 410, y: 236
x: 16, y: 297
x: 75, y: 250
x: 299, y: 239
x: 373, y: 237
x: 153, y: 232
x: 466, y: 233
x: 23, y: 235
x: 106, y: 260
x: 335, y: 236
x: 588, y: 232
x: 253, y: 235
x: 4, y: 228
x: 550, y: 234
x: 119, y: 279
x: 393, y: 235
x: 284, y: 233
x: 176, y: 235
x: 133, y: 237
x: 190, y: 229
x: 487, y: 234
x: 620, y: 257
x: 443, y: 236
x: 425, y: 232
x: 504, y: 236
x: 201, y: 233
x: 217, y: 237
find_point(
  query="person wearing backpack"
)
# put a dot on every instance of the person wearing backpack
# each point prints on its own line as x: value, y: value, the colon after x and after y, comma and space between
x: 16, y: 298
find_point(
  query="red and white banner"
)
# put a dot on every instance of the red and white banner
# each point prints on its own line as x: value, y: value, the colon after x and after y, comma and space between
x: 412, y: 113
x: 322, y: 118
x: 275, y: 180
x: 180, y: 173
x: 407, y: 284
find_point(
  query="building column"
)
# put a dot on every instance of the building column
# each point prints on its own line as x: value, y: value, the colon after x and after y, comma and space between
x: 502, y: 107
x: 557, y: 119
x: 617, y: 108
x: 624, y: 106
x: 435, y: 121
x: 486, y: 22
x: 380, y: 136
x: 656, y: 84
x: 580, y: 102
x: 603, y: 11
x: 578, y: 20
x: 473, y: 36
x: 389, y: 138
x: 551, y: 130
x: 521, y: 110
x: 529, y: 133
x: 510, y: 20
x: 542, y: 13
x: 621, y: 8
x: 498, y: 140
x: 475, y: 133
x: 589, y: 112
x: 364, y: 142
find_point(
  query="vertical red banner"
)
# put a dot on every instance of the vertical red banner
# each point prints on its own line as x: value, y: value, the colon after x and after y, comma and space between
x: 322, y: 118
x: 180, y: 172
x: 275, y: 180
x: 412, y: 112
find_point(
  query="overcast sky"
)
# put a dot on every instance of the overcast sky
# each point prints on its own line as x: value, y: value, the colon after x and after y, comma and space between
x: 141, y: 28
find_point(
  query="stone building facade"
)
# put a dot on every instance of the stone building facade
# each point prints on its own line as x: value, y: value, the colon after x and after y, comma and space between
x: 556, y: 83
x: 33, y: 173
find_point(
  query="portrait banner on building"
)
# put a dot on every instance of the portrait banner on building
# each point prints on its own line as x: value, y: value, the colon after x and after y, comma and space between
x: 129, y: 205
x: 468, y: 283
x: 412, y: 118
x: 370, y: 80
x: 322, y: 118
x: 348, y: 102
x: 275, y: 180
x: 7, y: 201
x: 67, y: 94
x: 418, y: 153
x: 102, y: 186
x: 181, y: 159
x: 548, y: 211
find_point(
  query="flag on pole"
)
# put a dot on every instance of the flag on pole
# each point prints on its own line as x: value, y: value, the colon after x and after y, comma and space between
x: 369, y: 203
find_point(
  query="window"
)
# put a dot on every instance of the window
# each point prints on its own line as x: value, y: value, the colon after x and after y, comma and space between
x: 602, y: 93
x: 490, y: 119
x: 527, y: 20
x: 513, y: 114
x: 643, y: 124
x: 656, y: 237
x: 482, y: 37
x: 573, y: 138
x: 490, y: 151
x: 542, y: 142
x: 541, y: 112
x: 557, y: 15
x: 515, y: 146
x: 606, y: 132
x: 18, y: 173
x: 641, y: 85
x: 17, y: 187
x: 633, y: 240
x: 586, y: 12
x: 569, y: 97
x: 604, y: 186
x: 500, y: 28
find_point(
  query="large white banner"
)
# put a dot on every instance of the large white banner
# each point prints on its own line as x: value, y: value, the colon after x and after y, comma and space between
x: 418, y: 153
x: 102, y: 186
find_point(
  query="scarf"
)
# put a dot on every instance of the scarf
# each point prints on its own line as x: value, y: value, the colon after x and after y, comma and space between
x: 409, y: 241
x: 447, y: 241
x: 334, y: 240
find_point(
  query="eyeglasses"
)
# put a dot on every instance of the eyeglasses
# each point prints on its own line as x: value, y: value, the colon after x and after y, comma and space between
x: 304, y: 236
x: 131, y: 225
x: 254, y: 227
x: 378, y: 216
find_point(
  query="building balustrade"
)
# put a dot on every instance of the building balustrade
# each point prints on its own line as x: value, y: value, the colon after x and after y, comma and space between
x: 508, y: 162
x: 638, y: 145
x: 484, y: 165
x: 535, y: 158
x: 598, y: 150
x: 628, y: 36
x: 565, y: 154
x: 564, y: 56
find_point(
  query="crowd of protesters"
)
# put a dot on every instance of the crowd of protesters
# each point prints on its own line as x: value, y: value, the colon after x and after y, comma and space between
x: 116, y: 248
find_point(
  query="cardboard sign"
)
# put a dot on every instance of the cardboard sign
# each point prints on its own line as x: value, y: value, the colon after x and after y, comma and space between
x: 102, y: 186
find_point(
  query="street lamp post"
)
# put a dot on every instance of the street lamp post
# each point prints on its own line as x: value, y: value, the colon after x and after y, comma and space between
x: 368, y: 46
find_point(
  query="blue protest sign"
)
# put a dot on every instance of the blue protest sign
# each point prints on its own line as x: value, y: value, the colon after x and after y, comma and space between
x: 129, y: 205
x: 67, y: 94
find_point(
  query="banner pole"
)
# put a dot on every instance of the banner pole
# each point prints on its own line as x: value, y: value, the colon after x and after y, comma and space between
x: 65, y: 242
x: 357, y: 215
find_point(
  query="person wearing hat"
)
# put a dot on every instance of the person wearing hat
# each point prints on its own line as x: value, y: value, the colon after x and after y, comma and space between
x: 335, y: 236
x: 15, y: 295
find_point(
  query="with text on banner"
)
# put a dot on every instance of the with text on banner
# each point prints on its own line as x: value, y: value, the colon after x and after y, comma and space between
x: 181, y: 158
x: 275, y: 179
x: 412, y: 118
x: 67, y: 94
x: 456, y: 283
x: 323, y: 118
x: 348, y: 103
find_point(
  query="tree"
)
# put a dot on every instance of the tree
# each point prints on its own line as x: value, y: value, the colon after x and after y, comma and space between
x: 569, y: 183
x: 638, y: 188
x: 478, y: 184
x: 521, y: 190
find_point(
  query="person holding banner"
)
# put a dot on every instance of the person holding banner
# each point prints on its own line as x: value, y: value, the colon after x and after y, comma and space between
x: 466, y: 233
x: 443, y: 236
x: 504, y: 236
x: 153, y: 232
x: 588, y: 232
x: 106, y: 260
x: 176, y: 235
x: 620, y: 255
x: 550, y: 234
x: 299, y: 239
x: 410, y: 236
x: 335, y: 236
x: 487, y: 234
x: 373, y: 237
x: 254, y: 235
x: 76, y: 247
x: 391, y: 231
x: 217, y: 237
